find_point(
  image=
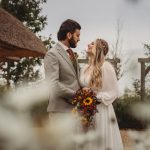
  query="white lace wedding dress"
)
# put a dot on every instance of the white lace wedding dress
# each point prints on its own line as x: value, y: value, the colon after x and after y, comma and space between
x: 106, y: 123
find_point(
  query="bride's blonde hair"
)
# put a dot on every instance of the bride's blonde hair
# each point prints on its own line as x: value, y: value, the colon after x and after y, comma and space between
x: 101, y: 49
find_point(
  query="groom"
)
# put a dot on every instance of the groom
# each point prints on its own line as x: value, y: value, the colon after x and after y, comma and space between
x: 61, y: 68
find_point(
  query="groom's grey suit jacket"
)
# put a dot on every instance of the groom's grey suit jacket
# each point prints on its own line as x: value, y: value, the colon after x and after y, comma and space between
x: 62, y: 79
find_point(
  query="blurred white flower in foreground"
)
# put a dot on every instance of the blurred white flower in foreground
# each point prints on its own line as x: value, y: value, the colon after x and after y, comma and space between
x: 142, y: 111
x: 23, y: 98
x: 16, y: 131
x: 141, y: 139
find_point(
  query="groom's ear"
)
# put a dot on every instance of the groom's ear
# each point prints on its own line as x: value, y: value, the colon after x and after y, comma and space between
x: 69, y: 35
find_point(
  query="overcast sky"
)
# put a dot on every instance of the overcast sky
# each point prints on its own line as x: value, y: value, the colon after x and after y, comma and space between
x: 98, y: 19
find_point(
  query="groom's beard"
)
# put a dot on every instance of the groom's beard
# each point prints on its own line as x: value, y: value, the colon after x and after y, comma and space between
x: 72, y: 43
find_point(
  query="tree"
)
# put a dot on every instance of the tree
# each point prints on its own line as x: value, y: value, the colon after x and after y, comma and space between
x: 116, y: 49
x: 29, y: 13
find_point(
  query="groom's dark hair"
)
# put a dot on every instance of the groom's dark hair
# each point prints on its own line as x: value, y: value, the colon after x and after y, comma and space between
x: 67, y: 26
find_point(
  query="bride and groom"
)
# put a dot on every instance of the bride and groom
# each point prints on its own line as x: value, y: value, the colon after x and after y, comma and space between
x: 65, y: 78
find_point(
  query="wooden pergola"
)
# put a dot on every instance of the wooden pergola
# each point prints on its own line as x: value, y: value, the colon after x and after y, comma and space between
x: 114, y: 62
x: 17, y: 41
x: 144, y: 71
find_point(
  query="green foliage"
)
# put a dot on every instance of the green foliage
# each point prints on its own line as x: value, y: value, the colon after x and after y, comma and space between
x: 48, y: 42
x: 125, y: 104
x: 137, y: 86
x: 123, y: 109
x: 24, y: 71
x: 27, y: 11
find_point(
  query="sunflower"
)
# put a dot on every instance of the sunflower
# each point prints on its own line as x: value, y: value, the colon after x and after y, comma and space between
x: 88, y: 101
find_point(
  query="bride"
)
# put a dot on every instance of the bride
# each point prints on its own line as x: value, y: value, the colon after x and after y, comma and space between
x: 99, y: 75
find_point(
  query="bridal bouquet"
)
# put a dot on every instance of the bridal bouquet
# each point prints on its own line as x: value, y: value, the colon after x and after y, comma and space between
x: 85, y: 106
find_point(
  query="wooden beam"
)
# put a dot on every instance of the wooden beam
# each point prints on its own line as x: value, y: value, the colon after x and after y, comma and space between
x: 83, y: 61
x: 19, y: 53
x: 146, y: 60
x: 4, y: 59
x: 110, y: 60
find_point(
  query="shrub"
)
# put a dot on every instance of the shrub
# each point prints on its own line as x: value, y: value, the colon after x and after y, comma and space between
x: 123, y: 109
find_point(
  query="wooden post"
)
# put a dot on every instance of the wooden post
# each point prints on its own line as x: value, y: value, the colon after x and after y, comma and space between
x: 142, y: 81
x: 8, y: 75
x: 144, y: 72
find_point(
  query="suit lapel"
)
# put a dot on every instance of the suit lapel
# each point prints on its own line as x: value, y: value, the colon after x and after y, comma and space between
x: 78, y: 69
x: 65, y: 56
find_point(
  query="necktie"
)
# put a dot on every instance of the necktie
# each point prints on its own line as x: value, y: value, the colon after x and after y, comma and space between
x: 72, y: 58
